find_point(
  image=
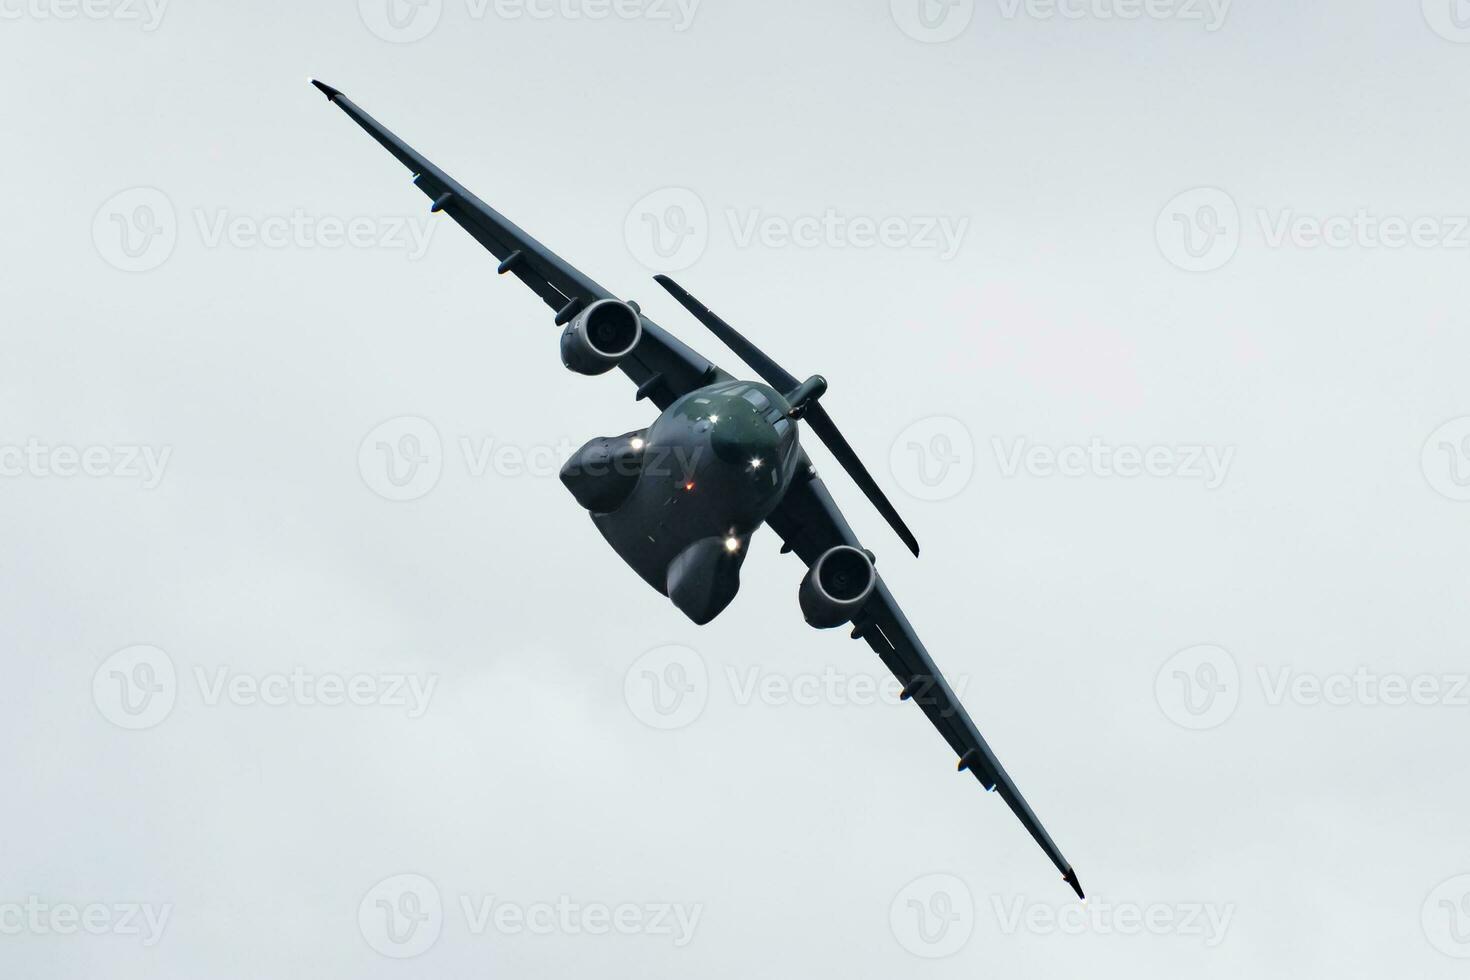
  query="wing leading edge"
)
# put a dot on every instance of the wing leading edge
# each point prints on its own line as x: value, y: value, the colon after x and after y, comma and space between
x: 662, y: 366
x: 808, y: 520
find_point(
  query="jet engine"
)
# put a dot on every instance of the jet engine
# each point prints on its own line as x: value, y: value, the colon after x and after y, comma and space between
x: 836, y: 586
x: 600, y: 336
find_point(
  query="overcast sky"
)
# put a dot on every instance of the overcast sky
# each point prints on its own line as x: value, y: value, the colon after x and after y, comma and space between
x: 1150, y: 315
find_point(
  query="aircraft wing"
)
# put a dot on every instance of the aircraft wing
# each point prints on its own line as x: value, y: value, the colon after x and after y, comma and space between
x: 663, y: 367
x: 808, y: 520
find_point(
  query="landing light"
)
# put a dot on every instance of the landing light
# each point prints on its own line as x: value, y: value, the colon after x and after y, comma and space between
x: 713, y: 419
x: 732, y: 544
x: 636, y: 443
x: 755, y: 464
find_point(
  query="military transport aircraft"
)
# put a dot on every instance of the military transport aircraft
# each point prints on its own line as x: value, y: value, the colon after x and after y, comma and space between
x: 680, y: 499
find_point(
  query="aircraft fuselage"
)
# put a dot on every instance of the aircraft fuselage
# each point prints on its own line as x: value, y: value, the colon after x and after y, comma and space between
x: 680, y: 499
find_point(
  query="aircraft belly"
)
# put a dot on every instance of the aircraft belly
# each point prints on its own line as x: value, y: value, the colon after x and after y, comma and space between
x: 663, y: 515
x: 647, y: 549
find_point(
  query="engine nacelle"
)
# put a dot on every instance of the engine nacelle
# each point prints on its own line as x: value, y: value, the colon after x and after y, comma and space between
x: 836, y: 586
x: 600, y: 336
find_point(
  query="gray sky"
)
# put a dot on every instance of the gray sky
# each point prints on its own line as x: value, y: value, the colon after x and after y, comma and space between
x: 1150, y: 315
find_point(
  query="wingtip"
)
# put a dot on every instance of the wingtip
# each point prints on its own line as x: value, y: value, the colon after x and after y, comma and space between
x: 1071, y: 878
x: 326, y: 90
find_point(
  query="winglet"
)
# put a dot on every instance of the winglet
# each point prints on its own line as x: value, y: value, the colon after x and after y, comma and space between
x: 327, y: 90
x: 1071, y: 878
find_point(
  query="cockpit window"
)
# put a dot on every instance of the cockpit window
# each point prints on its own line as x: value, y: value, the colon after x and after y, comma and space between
x: 757, y: 398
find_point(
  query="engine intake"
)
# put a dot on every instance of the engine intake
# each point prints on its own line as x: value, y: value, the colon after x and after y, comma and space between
x: 600, y: 336
x: 836, y: 586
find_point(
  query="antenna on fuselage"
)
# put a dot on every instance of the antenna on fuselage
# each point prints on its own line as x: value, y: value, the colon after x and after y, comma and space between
x: 803, y: 397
